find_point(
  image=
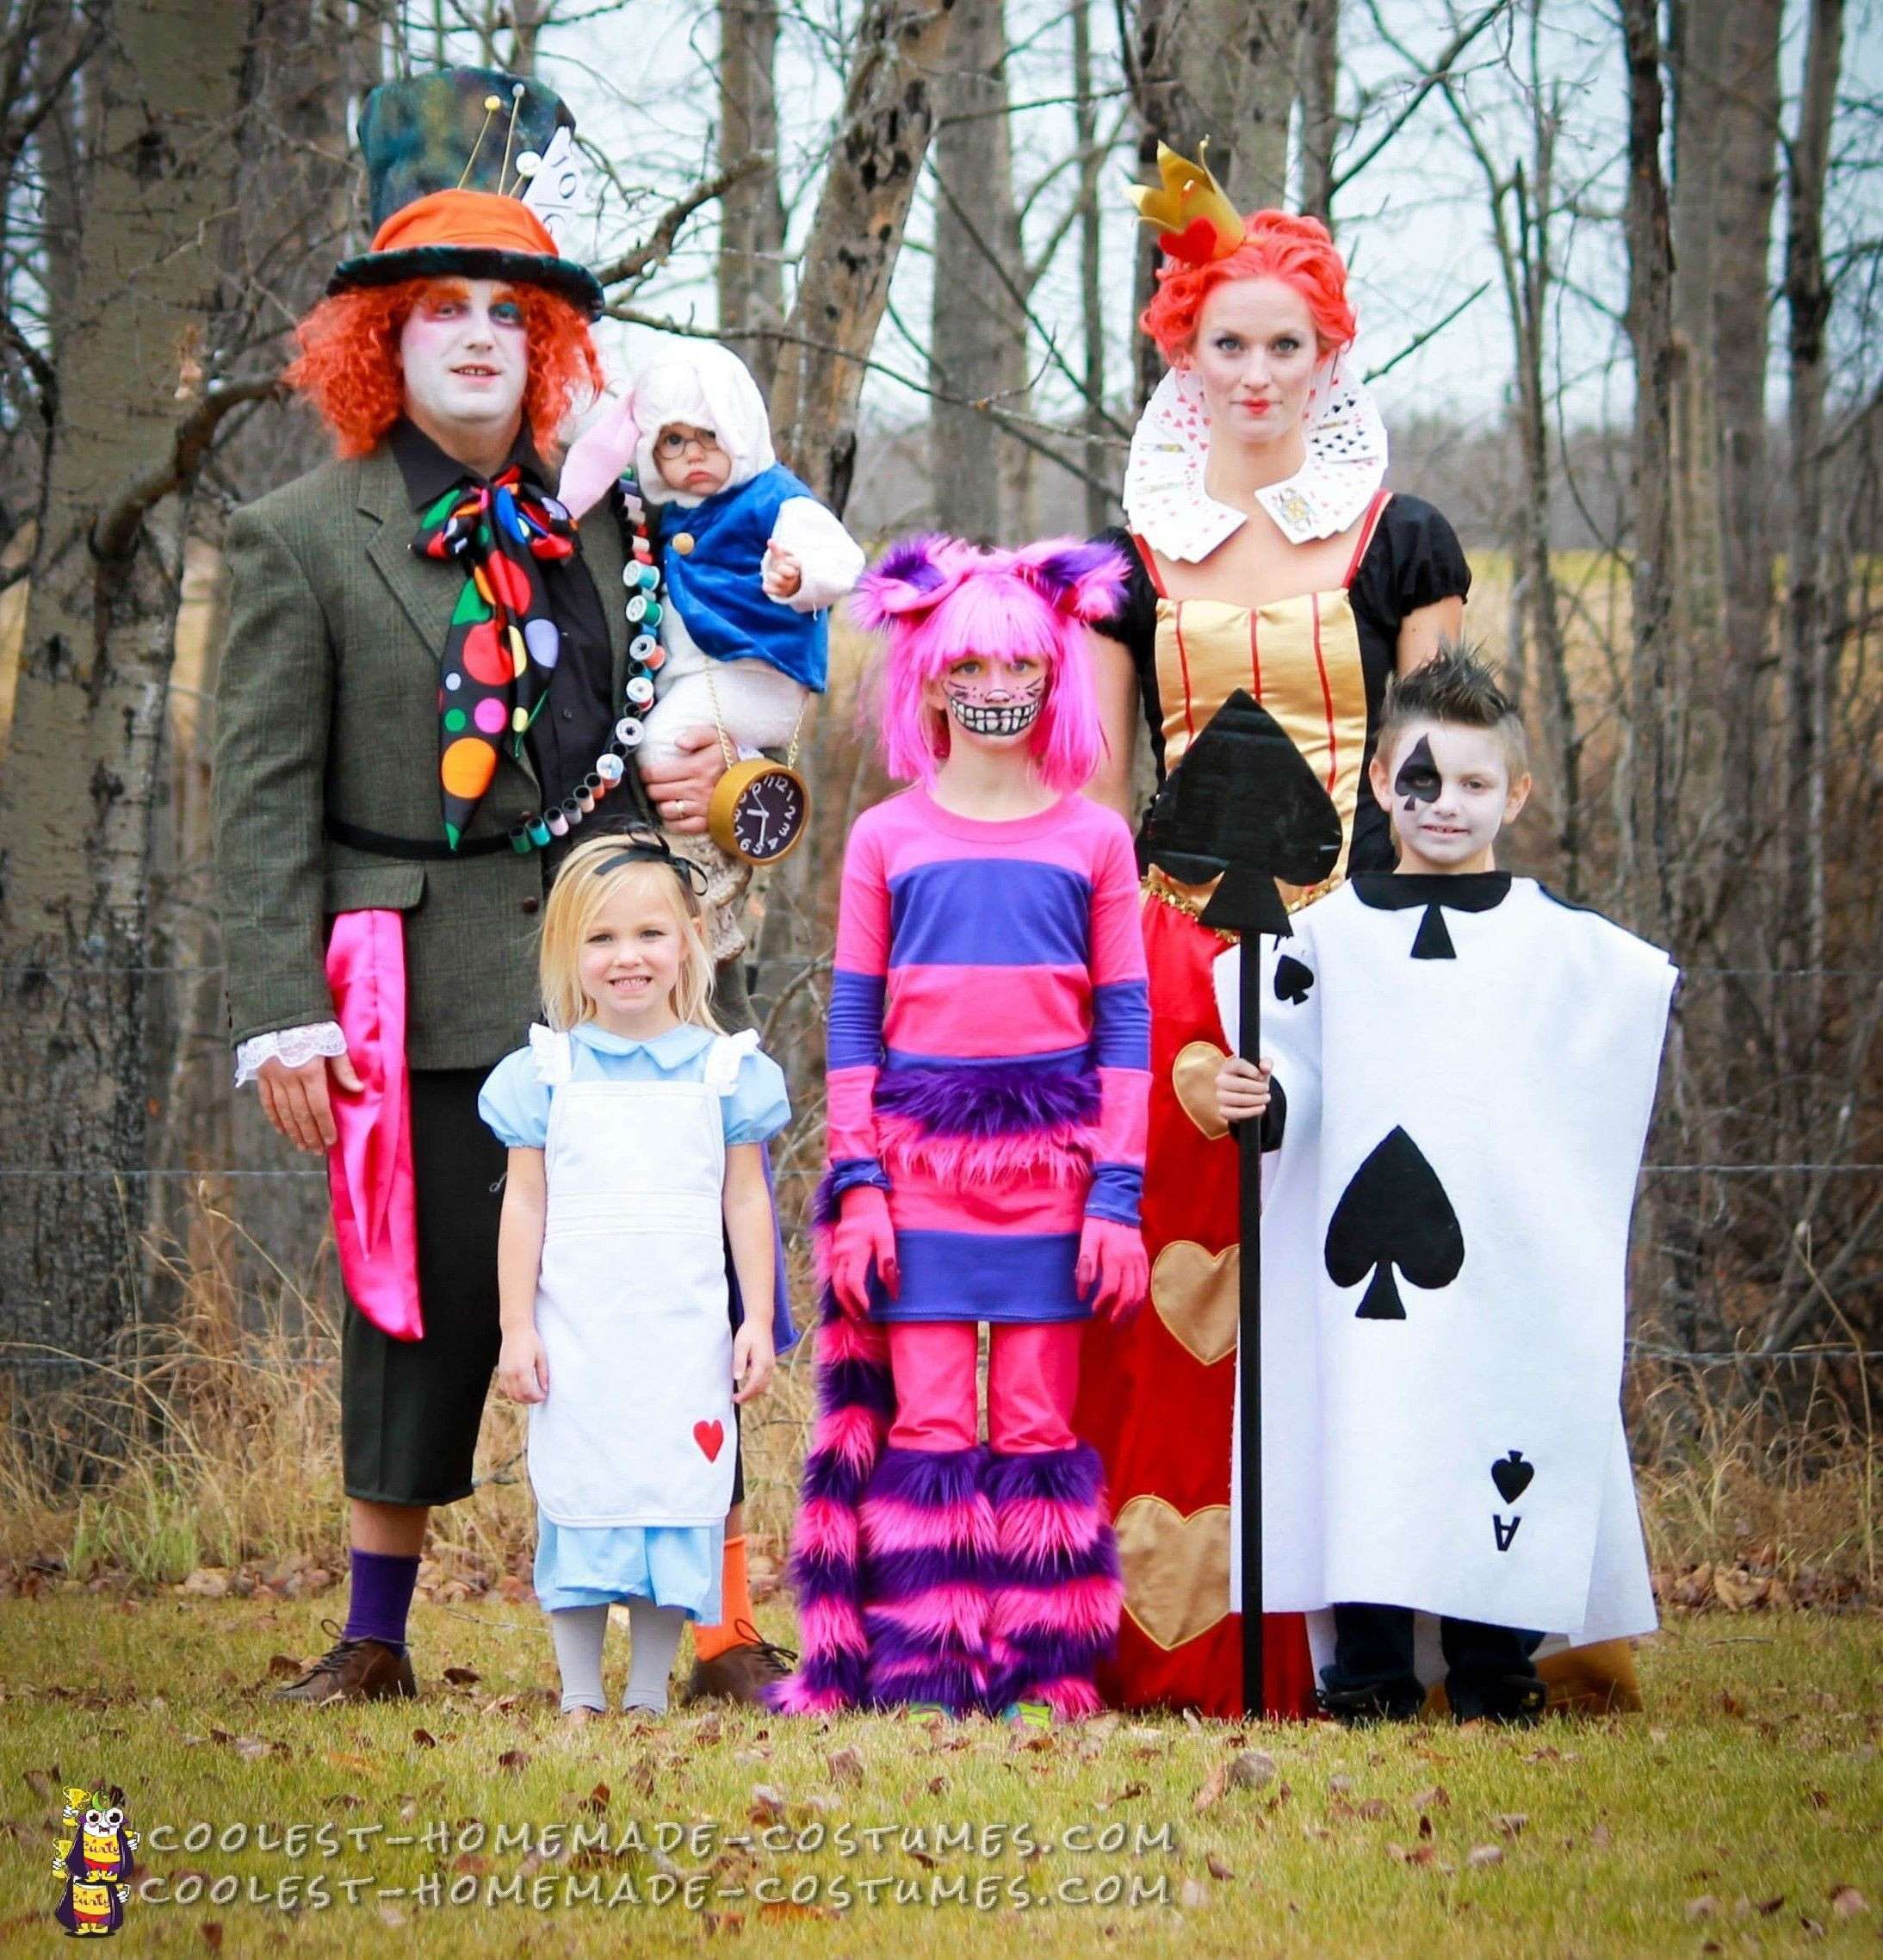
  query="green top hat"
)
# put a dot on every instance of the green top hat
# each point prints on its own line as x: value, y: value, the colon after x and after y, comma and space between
x: 463, y: 166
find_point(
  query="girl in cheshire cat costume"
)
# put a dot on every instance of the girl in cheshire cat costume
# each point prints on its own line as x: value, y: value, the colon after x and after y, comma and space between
x: 988, y: 1073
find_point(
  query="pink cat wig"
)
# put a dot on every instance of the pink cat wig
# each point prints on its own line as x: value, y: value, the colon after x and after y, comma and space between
x: 938, y: 600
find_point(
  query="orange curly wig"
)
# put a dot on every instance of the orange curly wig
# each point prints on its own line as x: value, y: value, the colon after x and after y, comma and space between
x: 1276, y: 245
x: 349, y: 363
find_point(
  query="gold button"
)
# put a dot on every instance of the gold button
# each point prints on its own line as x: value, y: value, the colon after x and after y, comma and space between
x: 683, y: 544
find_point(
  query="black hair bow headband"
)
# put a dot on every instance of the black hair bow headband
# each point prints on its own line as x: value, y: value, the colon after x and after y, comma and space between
x: 649, y: 847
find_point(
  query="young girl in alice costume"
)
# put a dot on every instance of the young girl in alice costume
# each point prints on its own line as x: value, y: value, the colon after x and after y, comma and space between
x: 634, y: 1129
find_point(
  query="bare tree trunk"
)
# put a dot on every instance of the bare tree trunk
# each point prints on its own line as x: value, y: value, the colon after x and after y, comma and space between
x: 1091, y: 271
x: 1807, y: 647
x: 977, y: 343
x: 751, y: 211
x: 881, y: 142
x: 76, y: 811
x: 1320, y: 105
x: 1648, y: 786
x: 1219, y: 69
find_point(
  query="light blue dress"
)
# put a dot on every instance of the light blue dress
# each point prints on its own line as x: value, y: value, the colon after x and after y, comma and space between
x: 673, y: 1565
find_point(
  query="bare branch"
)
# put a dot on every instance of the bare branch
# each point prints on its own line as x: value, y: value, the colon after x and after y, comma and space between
x: 654, y: 251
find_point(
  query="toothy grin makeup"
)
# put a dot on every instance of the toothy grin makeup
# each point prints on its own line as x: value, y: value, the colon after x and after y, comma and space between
x: 995, y: 711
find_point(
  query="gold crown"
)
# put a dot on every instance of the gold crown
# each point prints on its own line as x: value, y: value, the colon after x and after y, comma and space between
x: 1194, y: 217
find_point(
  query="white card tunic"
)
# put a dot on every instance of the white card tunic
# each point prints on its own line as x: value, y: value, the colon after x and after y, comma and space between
x: 1456, y: 1447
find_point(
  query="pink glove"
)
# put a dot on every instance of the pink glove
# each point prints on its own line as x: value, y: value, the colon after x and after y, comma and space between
x: 1114, y: 1269
x: 864, y: 1236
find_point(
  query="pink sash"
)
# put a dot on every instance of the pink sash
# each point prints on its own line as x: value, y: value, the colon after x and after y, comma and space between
x: 370, y: 1168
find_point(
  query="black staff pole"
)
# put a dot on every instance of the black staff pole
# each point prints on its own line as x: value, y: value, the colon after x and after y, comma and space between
x: 1244, y: 807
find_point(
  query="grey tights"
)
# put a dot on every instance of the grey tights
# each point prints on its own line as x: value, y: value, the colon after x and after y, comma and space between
x: 654, y: 1638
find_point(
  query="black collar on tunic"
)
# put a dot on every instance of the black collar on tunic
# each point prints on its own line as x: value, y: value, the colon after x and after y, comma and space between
x: 429, y: 472
x: 1395, y: 891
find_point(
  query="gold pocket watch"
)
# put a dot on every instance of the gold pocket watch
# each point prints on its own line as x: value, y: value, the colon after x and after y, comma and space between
x: 759, y: 808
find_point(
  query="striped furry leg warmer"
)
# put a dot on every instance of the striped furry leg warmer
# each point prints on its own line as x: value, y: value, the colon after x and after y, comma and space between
x: 928, y: 1558
x: 1058, y: 1590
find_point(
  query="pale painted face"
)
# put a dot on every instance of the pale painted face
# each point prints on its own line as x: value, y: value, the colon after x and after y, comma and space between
x: 629, y: 962
x: 691, y: 459
x: 1254, y: 353
x: 465, y: 353
x: 991, y: 700
x: 1448, y: 791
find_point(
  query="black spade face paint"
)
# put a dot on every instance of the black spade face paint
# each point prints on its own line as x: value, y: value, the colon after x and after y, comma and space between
x: 1418, y: 780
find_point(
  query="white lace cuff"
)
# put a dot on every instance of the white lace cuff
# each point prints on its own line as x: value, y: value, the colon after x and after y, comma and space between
x: 295, y: 1047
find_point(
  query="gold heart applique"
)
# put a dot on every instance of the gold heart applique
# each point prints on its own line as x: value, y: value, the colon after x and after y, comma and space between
x: 1192, y: 1075
x: 1197, y: 1295
x: 1176, y: 1568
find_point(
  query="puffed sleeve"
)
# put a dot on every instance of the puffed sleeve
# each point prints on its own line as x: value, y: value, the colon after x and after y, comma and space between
x: 757, y: 1107
x: 515, y: 1102
x: 1415, y: 562
x: 829, y: 558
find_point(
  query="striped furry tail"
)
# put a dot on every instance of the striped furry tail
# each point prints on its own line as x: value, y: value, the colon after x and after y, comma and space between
x: 855, y: 1403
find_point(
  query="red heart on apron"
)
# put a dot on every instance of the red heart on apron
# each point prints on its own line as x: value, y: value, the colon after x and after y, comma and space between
x: 709, y: 1436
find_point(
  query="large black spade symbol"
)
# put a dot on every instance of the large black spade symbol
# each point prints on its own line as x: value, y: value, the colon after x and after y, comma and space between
x: 1393, y: 1211
x: 1294, y: 979
x: 1512, y: 1475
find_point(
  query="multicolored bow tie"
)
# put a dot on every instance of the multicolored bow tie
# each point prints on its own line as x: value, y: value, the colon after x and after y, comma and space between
x: 503, y: 645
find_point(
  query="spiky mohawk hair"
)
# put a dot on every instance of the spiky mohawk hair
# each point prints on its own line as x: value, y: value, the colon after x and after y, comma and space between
x: 1455, y: 685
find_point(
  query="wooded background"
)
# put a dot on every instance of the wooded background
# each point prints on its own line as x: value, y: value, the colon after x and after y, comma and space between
x: 1618, y: 268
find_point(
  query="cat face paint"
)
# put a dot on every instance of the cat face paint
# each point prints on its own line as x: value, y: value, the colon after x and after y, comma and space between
x: 1448, y: 791
x: 992, y: 697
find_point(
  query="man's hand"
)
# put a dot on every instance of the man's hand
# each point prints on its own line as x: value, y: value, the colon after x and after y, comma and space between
x: 679, y: 791
x: 297, y: 1101
x: 1242, y: 1089
x: 783, y: 572
x: 753, y: 1360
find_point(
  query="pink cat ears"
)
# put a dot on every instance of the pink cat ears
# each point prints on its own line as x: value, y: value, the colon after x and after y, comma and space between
x: 1079, y: 581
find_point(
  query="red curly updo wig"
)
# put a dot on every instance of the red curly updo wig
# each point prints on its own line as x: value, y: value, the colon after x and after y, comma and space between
x: 348, y: 363
x: 1276, y: 245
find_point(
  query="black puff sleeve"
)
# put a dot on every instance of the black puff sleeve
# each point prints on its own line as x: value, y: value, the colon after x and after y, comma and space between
x: 1414, y: 561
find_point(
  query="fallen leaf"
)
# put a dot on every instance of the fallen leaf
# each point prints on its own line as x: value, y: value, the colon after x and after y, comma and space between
x: 1437, y: 1798
x: 596, y: 1800
x: 462, y: 1676
x: 1813, y: 1928
x: 1730, y: 1705
x: 513, y: 1759
x: 1252, y: 1769
x: 1511, y: 1824
x: 1768, y: 1907
x: 252, y: 1748
x: 342, y: 1757
x: 845, y: 1765
x: 1425, y: 1826
x: 391, y: 1916
x: 211, y: 1935
x: 1210, y: 1793
x: 424, y: 1739
x: 1125, y: 1794
x: 343, y: 1800
x: 1479, y: 1855
x: 709, y: 1728
x: 1192, y: 1893
x: 1818, y: 1799
x: 767, y: 1805
x: 1703, y: 1908
x: 936, y: 1785
x: 1599, y: 1836
x: 1339, y: 1786
x: 1847, y: 1902
x: 281, y: 1667
x: 1217, y: 1869
x: 1372, y: 1809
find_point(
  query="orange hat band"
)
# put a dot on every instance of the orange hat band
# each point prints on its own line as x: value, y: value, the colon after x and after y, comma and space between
x: 471, y: 220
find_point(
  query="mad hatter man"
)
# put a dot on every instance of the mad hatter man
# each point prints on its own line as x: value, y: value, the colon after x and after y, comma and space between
x: 430, y: 680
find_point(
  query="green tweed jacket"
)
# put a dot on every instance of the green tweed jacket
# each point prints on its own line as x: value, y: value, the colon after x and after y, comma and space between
x: 328, y: 704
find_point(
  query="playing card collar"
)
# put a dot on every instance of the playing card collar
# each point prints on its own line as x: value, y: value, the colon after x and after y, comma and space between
x: 1166, y: 504
x: 1397, y: 891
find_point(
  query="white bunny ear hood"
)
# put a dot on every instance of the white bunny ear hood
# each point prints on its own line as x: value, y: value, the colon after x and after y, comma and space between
x: 705, y: 386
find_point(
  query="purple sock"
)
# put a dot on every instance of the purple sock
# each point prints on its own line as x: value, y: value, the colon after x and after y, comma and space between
x: 381, y: 1598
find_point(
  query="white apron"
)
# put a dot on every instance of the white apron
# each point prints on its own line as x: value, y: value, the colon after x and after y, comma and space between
x: 631, y: 1304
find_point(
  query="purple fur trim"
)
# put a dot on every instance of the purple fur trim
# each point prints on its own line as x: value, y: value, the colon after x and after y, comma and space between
x: 987, y: 1102
x: 913, y: 561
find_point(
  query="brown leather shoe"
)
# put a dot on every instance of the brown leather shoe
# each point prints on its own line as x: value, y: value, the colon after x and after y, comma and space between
x: 353, y: 1671
x: 742, y: 1672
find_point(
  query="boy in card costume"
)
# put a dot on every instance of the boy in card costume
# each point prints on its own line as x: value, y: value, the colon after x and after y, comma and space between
x: 418, y: 702
x: 1467, y: 1069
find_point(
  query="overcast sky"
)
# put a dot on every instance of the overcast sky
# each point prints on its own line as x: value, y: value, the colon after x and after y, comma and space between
x: 1414, y: 224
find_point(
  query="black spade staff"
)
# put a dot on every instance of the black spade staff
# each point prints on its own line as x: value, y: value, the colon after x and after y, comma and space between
x: 1244, y: 807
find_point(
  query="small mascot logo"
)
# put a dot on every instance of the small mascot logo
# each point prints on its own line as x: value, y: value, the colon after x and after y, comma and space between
x: 95, y: 1860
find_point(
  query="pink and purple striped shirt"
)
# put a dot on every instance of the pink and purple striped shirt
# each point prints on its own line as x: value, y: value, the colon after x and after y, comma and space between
x: 990, y: 1048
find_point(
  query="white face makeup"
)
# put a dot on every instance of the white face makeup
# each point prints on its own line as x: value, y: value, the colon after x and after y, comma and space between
x: 1448, y: 791
x: 991, y: 697
x: 465, y: 352
x: 1254, y: 354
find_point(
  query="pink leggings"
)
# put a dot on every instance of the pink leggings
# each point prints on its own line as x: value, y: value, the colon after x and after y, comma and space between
x: 1032, y: 1382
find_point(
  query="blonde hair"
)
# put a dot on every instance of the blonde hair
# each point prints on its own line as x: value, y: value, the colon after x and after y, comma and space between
x: 582, y: 888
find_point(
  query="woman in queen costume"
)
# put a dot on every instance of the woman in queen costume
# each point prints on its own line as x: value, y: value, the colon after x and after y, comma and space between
x: 1265, y: 553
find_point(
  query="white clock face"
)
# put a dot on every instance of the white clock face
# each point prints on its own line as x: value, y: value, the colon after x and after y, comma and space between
x: 769, y: 816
